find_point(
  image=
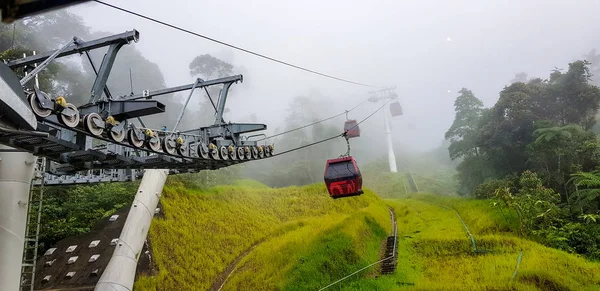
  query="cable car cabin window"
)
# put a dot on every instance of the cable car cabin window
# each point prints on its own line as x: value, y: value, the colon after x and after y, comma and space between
x: 351, y: 128
x: 341, y: 171
x: 343, y: 178
x: 395, y: 109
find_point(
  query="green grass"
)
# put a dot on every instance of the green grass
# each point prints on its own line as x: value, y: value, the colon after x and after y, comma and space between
x: 319, y: 252
x: 204, y: 231
x: 439, y: 255
x: 297, y: 238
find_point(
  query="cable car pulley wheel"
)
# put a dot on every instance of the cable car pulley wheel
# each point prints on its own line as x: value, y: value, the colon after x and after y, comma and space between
x: 70, y: 121
x: 248, y: 152
x: 214, y: 151
x: 90, y: 125
x: 232, y: 153
x: 37, y: 108
x: 203, y: 151
x: 182, y: 150
x: 223, y: 153
x: 254, y: 152
x: 261, y: 152
x: 133, y: 138
x: 241, y: 153
x: 118, y: 135
x: 154, y: 143
x: 168, y: 145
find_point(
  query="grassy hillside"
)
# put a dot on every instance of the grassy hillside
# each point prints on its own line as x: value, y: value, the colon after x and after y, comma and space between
x: 437, y: 254
x: 251, y: 237
x: 296, y: 231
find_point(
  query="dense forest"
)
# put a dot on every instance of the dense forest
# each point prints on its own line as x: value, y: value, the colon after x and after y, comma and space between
x: 537, y: 152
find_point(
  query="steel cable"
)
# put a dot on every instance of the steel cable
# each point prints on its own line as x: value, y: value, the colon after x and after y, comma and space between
x: 332, y: 137
x: 234, y: 47
x: 316, y: 122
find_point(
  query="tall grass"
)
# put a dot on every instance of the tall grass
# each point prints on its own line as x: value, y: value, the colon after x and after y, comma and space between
x: 297, y: 238
x: 205, y: 230
x: 319, y: 252
x: 440, y: 256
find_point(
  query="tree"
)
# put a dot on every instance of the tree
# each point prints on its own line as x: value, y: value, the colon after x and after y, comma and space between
x: 534, y: 203
x: 506, y: 129
x: 587, y: 191
x: 463, y: 132
x: 555, y: 151
x: 74, y: 78
x: 207, y: 67
x: 43, y: 33
x: 570, y: 98
x: 541, y: 127
x: 533, y: 125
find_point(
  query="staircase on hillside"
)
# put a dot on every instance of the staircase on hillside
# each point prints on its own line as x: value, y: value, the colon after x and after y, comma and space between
x: 32, y: 230
x: 390, y: 257
x: 411, y: 182
x: 389, y: 266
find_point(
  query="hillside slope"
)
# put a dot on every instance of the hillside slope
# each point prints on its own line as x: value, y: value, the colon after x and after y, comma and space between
x: 435, y: 252
x: 204, y: 233
x: 251, y: 237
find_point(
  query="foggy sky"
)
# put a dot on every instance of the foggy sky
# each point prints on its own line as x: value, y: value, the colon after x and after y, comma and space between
x: 384, y: 43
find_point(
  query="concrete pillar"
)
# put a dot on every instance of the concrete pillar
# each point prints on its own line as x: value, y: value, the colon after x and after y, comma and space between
x: 16, y: 172
x: 119, y: 275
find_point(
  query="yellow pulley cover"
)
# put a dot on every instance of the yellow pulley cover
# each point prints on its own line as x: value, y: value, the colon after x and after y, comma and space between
x: 61, y: 101
x: 111, y: 120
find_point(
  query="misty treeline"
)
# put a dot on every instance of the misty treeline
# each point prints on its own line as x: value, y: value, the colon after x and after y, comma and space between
x: 537, y: 152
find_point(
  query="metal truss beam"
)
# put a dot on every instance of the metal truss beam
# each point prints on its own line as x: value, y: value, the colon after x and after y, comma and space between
x: 150, y: 94
x: 79, y: 47
x: 124, y: 109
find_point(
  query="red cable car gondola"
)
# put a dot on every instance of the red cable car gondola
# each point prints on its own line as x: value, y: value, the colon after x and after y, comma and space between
x: 343, y: 178
x: 351, y: 128
x: 396, y: 109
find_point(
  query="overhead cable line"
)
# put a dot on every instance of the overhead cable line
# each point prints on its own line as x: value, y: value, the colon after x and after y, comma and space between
x: 304, y: 126
x: 331, y: 137
x: 314, y: 123
x: 235, y: 47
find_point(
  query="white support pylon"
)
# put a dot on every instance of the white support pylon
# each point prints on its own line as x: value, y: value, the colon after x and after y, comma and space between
x: 391, y: 155
x: 119, y: 274
x: 16, y: 172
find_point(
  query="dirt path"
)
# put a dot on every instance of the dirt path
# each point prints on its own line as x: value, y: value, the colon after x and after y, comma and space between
x: 222, y: 278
